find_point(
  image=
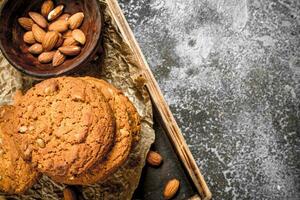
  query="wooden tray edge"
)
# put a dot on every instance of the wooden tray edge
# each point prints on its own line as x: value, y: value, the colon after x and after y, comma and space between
x: 169, y: 122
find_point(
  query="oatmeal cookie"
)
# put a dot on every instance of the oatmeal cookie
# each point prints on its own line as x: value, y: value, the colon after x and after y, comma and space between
x: 64, y: 126
x: 123, y: 139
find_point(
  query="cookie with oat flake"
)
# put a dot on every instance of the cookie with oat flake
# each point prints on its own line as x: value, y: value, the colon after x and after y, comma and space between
x: 65, y: 126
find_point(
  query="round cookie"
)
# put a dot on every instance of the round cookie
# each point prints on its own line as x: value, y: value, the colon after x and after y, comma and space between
x: 16, y: 176
x: 65, y: 126
x: 123, y: 139
x: 134, y: 117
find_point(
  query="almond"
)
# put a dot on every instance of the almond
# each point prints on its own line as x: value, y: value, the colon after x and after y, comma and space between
x: 64, y: 16
x: 46, y: 57
x: 47, y: 6
x: 58, y: 59
x: 38, y: 33
x: 55, y: 13
x: 59, y: 26
x: 67, y: 34
x: 76, y: 20
x: 69, y: 194
x: 29, y: 38
x: 60, y: 41
x: 39, y: 19
x: 154, y: 158
x: 70, y: 50
x: 50, y: 40
x: 26, y: 23
x: 70, y: 41
x: 79, y: 36
x: 36, y: 49
x: 171, y: 188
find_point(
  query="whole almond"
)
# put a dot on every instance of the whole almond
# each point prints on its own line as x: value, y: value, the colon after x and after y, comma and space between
x: 69, y: 194
x: 67, y: 34
x: 79, y: 36
x: 38, y: 19
x: 29, y: 38
x: 171, y: 188
x: 59, y: 26
x: 38, y: 33
x: 154, y: 158
x: 46, y: 57
x: 55, y: 13
x: 76, y: 20
x: 70, y: 50
x: 70, y: 41
x: 60, y: 41
x: 64, y: 16
x: 26, y: 23
x: 47, y: 6
x: 58, y: 59
x: 50, y: 40
x: 36, y: 49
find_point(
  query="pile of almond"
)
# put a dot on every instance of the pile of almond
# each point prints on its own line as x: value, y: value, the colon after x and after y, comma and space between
x: 53, y: 35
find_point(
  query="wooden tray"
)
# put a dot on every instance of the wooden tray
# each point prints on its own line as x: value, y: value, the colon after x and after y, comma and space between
x: 193, y: 185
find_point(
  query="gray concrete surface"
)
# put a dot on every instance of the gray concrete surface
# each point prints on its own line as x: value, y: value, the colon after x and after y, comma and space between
x: 230, y: 71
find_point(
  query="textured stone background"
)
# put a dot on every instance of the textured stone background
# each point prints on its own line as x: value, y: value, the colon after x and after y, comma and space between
x: 230, y: 70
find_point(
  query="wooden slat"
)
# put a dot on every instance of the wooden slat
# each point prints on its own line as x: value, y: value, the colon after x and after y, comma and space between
x: 169, y: 122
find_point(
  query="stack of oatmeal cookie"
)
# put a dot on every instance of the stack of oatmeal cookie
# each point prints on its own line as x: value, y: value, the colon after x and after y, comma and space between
x: 77, y: 131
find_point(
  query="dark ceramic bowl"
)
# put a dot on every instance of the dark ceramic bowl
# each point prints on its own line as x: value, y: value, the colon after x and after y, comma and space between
x: 16, y: 51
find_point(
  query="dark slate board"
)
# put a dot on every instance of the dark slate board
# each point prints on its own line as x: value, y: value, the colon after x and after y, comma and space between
x: 154, y: 179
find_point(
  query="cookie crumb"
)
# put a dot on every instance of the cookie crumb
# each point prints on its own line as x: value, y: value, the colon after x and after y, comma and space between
x: 22, y: 129
x: 40, y: 142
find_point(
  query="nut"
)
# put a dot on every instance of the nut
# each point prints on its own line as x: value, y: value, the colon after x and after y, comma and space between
x: 76, y: 20
x: 38, y: 33
x: 39, y: 19
x: 47, y: 6
x: 58, y: 59
x: 26, y: 23
x: 55, y: 13
x: 51, y: 88
x: 36, y: 49
x: 60, y: 41
x: 171, y: 188
x: 70, y: 50
x: 29, y: 38
x: 67, y: 34
x: 79, y: 36
x: 70, y: 41
x: 69, y: 194
x: 22, y: 129
x: 154, y: 158
x: 50, y: 40
x: 59, y: 26
x: 46, y: 57
x: 64, y: 16
x: 41, y: 143
x: 27, y: 153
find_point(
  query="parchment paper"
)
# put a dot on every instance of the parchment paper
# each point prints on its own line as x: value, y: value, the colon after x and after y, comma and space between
x: 119, y: 67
